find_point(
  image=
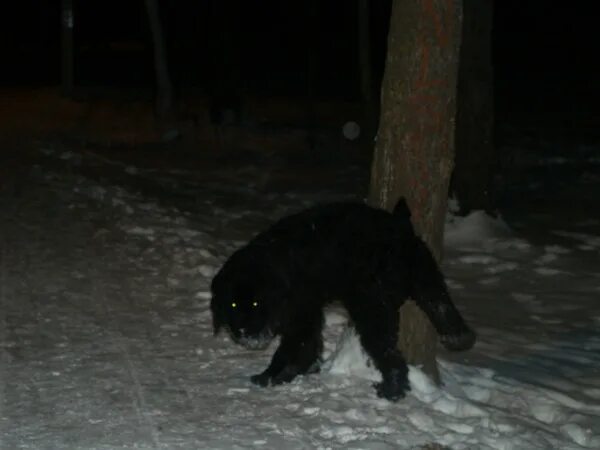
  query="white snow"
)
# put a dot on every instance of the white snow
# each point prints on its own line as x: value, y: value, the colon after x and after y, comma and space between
x: 106, y: 337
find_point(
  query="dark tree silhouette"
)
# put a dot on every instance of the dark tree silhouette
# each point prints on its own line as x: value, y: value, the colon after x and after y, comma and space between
x: 67, y: 53
x: 414, y: 153
x: 164, y: 86
x: 472, y: 177
x: 365, y: 70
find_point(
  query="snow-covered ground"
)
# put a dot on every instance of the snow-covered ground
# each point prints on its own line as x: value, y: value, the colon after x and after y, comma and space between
x: 106, y: 338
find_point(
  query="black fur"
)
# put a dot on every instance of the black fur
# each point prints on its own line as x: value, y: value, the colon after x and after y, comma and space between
x: 367, y: 258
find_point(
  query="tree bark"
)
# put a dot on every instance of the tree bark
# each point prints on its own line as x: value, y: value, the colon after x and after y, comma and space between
x: 472, y: 177
x: 164, y: 86
x: 414, y: 153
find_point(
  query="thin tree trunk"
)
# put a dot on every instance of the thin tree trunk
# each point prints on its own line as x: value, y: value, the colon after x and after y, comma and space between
x: 414, y: 153
x: 67, y: 56
x: 366, y: 78
x: 471, y: 180
x: 164, y: 87
x: 311, y: 69
x: 226, y: 102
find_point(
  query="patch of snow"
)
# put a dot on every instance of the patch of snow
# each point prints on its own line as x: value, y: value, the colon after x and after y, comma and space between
x: 473, y: 229
x: 112, y: 347
x: 350, y: 359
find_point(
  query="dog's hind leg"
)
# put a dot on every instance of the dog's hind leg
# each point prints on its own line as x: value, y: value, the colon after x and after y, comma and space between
x: 298, y: 353
x: 377, y: 326
x: 430, y: 292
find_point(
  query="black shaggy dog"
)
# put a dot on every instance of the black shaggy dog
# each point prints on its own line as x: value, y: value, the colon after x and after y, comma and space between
x: 367, y: 258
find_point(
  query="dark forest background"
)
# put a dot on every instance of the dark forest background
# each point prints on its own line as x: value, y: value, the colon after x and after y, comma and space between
x: 543, y: 53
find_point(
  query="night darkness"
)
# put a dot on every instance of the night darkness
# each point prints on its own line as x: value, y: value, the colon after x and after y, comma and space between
x: 543, y: 52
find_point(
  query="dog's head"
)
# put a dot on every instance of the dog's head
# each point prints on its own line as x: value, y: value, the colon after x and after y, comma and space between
x: 244, y: 302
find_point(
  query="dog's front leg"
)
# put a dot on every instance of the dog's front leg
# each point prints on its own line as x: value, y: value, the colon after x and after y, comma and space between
x: 278, y: 363
x: 291, y: 359
x: 297, y: 354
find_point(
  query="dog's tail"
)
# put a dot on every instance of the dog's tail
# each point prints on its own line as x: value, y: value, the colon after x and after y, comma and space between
x: 429, y: 288
x: 430, y: 292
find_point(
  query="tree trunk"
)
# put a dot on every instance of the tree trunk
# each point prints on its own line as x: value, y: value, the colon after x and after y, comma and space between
x: 67, y: 56
x: 365, y: 70
x: 414, y: 153
x: 311, y: 71
x: 471, y: 180
x: 164, y: 87
x: 225, y: 89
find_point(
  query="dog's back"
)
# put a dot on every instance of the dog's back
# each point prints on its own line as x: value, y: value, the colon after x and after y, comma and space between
x: 339, y: 245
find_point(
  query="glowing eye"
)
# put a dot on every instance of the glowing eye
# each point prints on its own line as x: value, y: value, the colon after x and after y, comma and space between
x: 255, y: 304
x: 234, y: 305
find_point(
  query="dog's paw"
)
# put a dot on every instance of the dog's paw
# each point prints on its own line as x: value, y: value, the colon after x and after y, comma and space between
x: 261, y: 379
x: 460, y: 341
x: 314, y: 368
x: 389, y: 391
x: 285, y: 376
x: 393, y: 388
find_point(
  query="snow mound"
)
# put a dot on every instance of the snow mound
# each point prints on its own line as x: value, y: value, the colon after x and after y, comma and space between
x: 350, y: 359
x: 473, y: 229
